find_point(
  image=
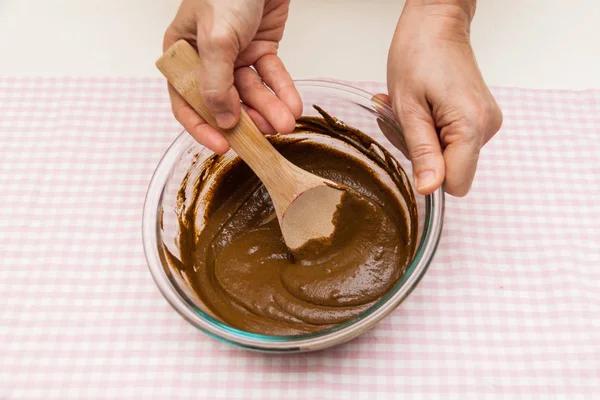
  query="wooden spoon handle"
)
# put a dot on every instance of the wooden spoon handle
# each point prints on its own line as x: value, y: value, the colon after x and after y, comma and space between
x: 180, y: 64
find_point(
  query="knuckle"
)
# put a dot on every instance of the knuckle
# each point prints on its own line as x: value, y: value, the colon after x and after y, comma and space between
x: 221, y: 40
x: 470, y: 137
x: 245, y: 81
x: 269, y: 65
x: 457, y: 190
x: 484, y: 113
x: 474, y: 122
x: 215, y: 98
x: 216, y: 40
x: 496, y: 117
x: 408, y: 107
x: 422, y: 151
x: 475, y: 114
x: 176, y: 113
x: 485, y: 120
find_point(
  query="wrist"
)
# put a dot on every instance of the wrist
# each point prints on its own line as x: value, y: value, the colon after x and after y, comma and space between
x: 457, y: 8
x: 446, y: 19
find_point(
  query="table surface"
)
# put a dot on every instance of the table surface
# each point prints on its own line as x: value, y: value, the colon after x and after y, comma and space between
x: 509, y: 307
x: 531, y: 43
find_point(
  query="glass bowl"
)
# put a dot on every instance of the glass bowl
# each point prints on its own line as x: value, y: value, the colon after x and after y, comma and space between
x: 356, y: 108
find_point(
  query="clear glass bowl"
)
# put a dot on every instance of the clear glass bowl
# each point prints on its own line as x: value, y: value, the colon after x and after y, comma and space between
x: 356, y: 108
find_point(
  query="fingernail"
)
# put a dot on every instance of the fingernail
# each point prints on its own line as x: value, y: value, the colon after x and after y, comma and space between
x: 425, y: 179
x: 225, y: 120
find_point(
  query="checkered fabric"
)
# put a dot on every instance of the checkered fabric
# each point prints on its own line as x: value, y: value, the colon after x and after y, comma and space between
x: 510, y: 307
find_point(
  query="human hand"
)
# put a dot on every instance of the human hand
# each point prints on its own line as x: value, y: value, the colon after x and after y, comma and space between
x: 237, y: 41
x: 437, y: 92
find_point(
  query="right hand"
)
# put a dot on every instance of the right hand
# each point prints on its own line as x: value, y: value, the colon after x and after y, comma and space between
x: 237, y: 41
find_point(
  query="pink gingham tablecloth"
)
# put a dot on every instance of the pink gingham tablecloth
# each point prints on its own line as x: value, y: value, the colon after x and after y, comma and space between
x: 510, y: 307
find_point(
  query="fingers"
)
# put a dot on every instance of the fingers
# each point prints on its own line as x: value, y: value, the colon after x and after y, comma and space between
x: 494, y: 121
x: 273, y: 73
x: 461, y: 163
x: 260, y: 121
x: 217, y: 53
x: 195, y: 125
x: 185, y: 114
x: 255, y: 94
x: 423, y: 144
x: 396, y: 138
x: 480, y: 119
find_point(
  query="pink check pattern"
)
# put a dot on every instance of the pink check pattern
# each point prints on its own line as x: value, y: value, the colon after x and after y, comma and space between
x: 509, y: 309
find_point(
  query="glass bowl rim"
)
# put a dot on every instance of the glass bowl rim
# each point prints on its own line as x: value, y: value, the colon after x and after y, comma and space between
x: 432, y: 229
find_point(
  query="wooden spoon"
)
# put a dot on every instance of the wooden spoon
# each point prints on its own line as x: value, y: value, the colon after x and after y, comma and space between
x: 304, y: 203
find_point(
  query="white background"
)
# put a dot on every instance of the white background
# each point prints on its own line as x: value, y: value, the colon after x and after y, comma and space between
x: 530, y: 43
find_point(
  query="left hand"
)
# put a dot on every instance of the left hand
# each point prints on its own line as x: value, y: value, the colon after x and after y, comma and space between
x: 437, y: 92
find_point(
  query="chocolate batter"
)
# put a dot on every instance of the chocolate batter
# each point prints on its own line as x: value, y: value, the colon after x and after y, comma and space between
x: 240, y: 267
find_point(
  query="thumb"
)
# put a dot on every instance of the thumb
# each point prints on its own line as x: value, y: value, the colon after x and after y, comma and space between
x: 423, y: 145
x: 217, y: 56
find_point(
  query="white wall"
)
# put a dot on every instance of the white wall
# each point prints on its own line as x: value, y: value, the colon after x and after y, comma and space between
x: 528, y: 43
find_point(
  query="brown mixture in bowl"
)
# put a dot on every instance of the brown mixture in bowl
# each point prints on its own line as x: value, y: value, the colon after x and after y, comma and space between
x: 233, y: 255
